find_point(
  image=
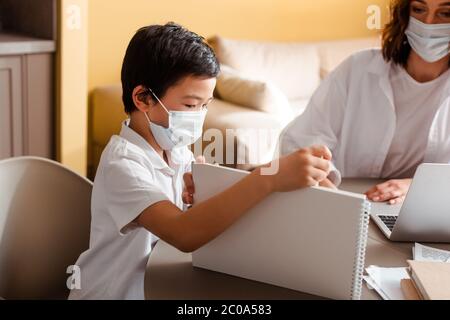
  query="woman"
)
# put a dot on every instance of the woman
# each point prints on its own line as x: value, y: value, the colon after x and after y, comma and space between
x: 384, y: 112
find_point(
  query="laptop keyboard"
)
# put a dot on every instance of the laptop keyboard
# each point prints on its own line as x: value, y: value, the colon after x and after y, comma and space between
x: 389, y: 221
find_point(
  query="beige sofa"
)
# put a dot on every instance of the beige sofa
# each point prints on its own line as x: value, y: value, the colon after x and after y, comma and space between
x: 294, y: 70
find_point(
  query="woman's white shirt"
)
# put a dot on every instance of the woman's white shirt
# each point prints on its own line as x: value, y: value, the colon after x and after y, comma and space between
x: 353, y: 112
x: 416, y: 105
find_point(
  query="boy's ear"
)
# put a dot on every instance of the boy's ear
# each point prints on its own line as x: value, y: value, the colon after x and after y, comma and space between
x: 142, y: 99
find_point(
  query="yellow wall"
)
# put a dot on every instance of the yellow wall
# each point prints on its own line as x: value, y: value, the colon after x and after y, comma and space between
x: 113, y: 22
x: 72, y: 75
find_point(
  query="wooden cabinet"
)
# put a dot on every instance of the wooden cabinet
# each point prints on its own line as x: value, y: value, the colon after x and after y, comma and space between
x: 27, y: 78
x: 26, y: 106
x: 11, y: 126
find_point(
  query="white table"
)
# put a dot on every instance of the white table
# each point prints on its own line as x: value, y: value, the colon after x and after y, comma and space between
x: 170, y: 274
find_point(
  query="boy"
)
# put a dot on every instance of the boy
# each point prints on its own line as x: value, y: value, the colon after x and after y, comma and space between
x: 168, y: 79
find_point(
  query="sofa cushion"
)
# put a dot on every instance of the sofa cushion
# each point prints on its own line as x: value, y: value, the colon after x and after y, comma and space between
x: 292, y: 67
x: 333, y: 53
x: 298, y: 106
x: 107, y: 113
x: 227, y: 117
x: 260, y: 95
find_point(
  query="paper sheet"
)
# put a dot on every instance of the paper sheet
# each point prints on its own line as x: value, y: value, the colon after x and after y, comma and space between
x: 386, y: 281
x: 424, y: 253
x: 373, y: 286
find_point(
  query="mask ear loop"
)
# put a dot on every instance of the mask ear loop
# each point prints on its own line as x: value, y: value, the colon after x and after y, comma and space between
x: 160, y: 102
x: 148, y: 119
x: 162, y: 105
x: 146, y: 115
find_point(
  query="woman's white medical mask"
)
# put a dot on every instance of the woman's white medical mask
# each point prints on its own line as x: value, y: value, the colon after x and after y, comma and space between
x: 430, y: 41
x: 185, y: 128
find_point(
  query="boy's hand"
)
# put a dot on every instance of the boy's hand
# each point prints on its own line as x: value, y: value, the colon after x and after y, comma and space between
x: 189, y: 187
x: 307, y: 167
x: 393, y: 191
x: 328, y: 184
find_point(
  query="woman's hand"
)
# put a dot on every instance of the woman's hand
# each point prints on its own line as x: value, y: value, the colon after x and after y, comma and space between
x: 393, y: 191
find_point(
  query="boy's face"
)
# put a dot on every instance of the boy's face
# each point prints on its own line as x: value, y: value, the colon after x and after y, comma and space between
x: 189, y: 94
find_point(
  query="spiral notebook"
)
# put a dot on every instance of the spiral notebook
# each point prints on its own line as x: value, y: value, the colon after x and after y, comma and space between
x: 311, y: 240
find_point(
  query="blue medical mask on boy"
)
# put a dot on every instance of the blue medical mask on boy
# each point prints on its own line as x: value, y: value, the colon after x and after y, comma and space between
x: 185, y: 128
x: 429, y: 41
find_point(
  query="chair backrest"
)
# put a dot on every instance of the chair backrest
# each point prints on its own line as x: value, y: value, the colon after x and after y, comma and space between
x: 44, y: 227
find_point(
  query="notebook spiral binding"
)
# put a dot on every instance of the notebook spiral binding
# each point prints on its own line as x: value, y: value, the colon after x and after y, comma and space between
x: 358, y: 270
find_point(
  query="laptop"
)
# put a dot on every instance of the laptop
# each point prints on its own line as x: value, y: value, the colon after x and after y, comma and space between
x: 425, y: 214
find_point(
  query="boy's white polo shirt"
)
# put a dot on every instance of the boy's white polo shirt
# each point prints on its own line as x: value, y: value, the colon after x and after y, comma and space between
x: 131, y: 177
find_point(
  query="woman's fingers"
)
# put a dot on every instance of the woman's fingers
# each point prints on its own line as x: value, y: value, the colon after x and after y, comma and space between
x: 396, y: 201
x: 378, y: 189
x: 386, y: 192
x: 396, y: 193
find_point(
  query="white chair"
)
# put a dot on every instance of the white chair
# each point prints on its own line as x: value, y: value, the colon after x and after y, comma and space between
x: 44, y: 227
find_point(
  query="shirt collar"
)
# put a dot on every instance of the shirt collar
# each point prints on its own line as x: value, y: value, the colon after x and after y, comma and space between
x: 379, y: 66
x: 157, y: 162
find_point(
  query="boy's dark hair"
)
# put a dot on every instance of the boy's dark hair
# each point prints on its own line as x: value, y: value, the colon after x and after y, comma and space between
x: 159, y: 56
